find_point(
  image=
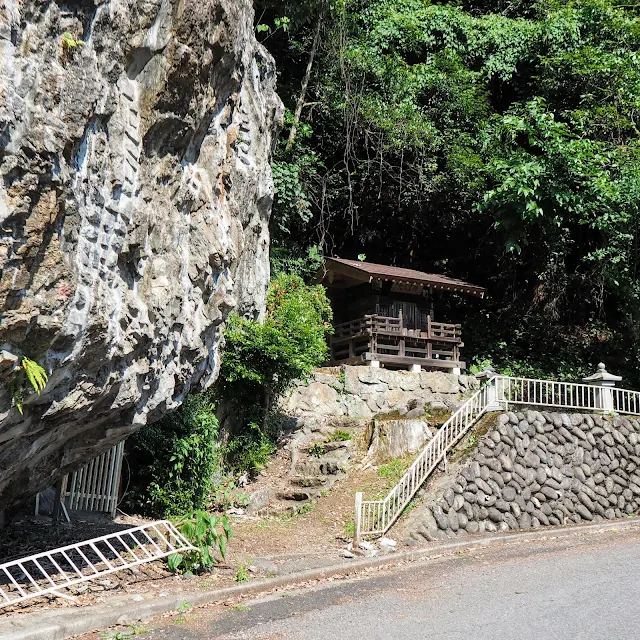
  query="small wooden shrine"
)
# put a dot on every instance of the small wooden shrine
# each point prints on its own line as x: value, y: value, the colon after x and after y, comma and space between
x: 385, y: 315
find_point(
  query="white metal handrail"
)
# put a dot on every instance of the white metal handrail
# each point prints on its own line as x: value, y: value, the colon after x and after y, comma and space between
x: 51, y: 571
x: 566, y: 395
x: 377, y: 516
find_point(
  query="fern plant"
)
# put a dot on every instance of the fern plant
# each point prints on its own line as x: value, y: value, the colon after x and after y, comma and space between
x: 35, y: 375
x: 69, y: 42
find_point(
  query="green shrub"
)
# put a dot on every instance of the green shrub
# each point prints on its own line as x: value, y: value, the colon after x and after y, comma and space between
x: 262, y: 359
x: 174, y: 460
x: 290, y: 342
x: 201, y: 530
x: 249, y: 451
x: 339, y: 436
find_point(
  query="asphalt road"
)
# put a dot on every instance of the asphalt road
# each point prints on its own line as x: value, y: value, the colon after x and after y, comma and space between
x: 587, y: 587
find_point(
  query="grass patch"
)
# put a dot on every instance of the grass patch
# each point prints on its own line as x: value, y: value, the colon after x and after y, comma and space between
x: 339, y: 436
x: 392, y: 470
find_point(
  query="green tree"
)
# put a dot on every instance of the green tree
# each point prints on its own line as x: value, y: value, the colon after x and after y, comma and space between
x: 495, y: 141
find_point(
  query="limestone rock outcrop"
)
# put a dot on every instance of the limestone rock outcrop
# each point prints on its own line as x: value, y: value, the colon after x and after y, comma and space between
x: 135, y: 141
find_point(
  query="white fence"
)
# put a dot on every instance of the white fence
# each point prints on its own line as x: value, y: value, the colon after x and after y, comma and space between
x: 95, y: 486
x: 52, y: 571
x: 377, y: 516
x: 566, y: 395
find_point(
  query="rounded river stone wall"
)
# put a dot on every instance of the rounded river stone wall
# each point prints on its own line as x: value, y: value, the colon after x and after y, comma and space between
x: 536, y: 469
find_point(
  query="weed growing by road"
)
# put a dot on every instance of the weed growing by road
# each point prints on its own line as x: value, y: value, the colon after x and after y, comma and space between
x: 242, y: 574
x: 133, y: 630
x: 183, y: 608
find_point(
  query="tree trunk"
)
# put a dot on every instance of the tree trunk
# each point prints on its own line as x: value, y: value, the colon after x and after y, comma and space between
x: 305, y: 84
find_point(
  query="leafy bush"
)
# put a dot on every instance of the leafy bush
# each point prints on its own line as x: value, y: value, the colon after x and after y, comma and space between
x: 174, y: 460
x: 289, y: 343
x: 201, y: 530
x: 249, y: 451
x: 261, y: 360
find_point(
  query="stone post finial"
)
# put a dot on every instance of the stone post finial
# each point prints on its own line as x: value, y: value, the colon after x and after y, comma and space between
x: 486, y: 374
x: 605, y: 381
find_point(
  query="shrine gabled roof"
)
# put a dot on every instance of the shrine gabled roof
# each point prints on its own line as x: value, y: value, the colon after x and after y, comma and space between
x: 359, y: 271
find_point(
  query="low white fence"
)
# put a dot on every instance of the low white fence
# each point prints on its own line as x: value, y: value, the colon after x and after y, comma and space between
x: 50, y: 572
x: 375, y: 517
x: 566, y: 395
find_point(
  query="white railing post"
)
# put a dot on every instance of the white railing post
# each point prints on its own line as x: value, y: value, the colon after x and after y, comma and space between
x: 604, y: 382
x: 356, y: 535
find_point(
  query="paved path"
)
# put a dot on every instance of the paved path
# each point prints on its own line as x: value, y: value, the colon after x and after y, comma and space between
x: 587, y: 587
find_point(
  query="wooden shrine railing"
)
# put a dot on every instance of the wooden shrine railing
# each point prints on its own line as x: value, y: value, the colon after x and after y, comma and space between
x: 388, y: 340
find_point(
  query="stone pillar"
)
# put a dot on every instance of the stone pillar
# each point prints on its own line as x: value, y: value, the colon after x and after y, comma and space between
x: 416, y: 368
x: 604, y: 382
x: 374, y: 363
x: 490, y: 378
x: 456, y: 371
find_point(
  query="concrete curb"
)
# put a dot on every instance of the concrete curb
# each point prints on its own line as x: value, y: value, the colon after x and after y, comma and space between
x: 65, y: 623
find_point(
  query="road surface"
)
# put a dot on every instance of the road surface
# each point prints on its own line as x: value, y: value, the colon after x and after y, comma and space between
x: 582, y: 587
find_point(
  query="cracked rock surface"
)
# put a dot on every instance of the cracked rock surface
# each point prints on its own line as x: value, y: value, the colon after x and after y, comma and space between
x: 134, y: 206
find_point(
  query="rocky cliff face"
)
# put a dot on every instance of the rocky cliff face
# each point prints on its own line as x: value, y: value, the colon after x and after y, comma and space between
x: 134, y: 208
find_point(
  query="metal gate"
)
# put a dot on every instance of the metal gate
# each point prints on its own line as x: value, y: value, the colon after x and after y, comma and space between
x: 95, y: 486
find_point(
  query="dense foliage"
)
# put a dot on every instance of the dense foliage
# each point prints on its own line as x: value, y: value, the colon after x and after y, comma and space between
x: 493, y: 141
x: 174, y: 461
x: 262, y: 359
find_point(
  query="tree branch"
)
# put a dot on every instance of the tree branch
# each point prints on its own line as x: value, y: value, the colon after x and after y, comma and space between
x: 303, y: 89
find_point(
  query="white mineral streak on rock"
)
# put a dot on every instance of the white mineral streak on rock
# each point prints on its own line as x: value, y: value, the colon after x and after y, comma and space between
x: 134, y: 207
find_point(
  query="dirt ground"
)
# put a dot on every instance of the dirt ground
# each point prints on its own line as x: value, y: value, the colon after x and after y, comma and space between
x: 312, y: 534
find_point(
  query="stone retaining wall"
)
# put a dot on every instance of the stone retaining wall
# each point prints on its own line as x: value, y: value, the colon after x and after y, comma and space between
x: 363, y: 392
x: 535, y: 469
